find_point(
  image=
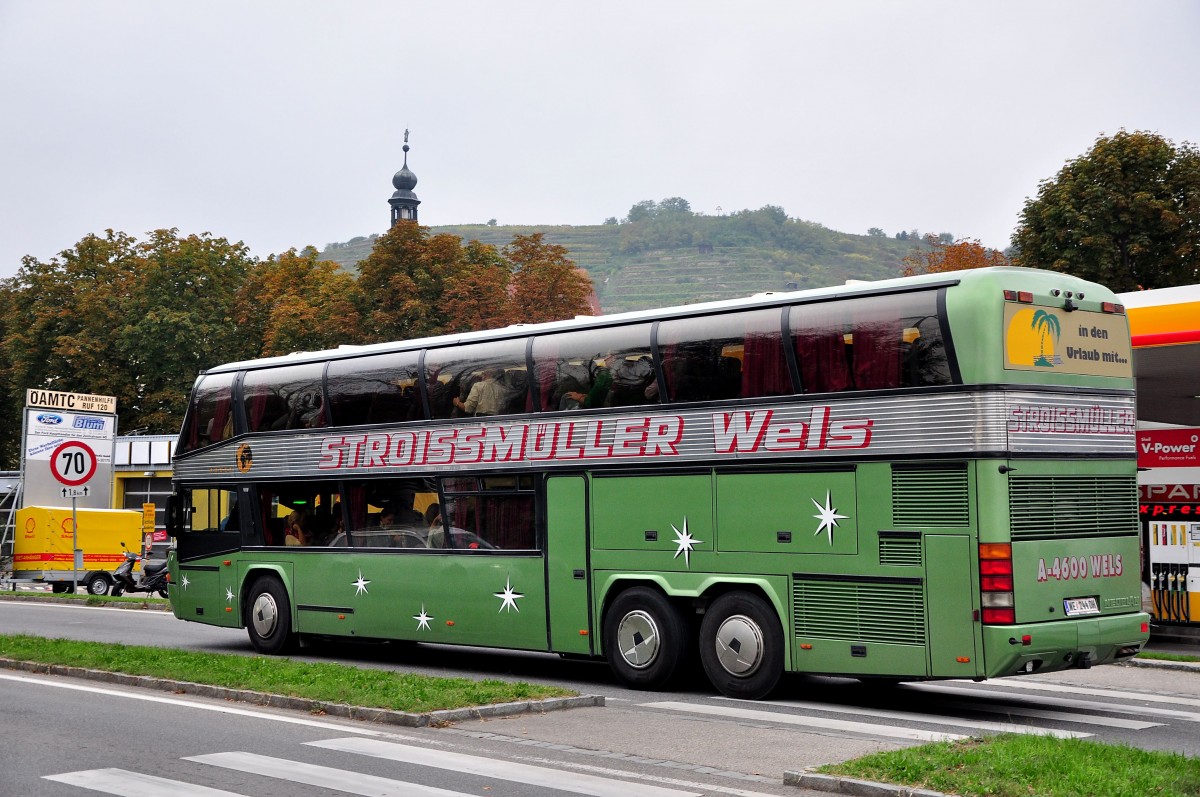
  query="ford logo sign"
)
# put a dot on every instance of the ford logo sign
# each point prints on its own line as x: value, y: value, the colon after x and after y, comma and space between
x: 49, y: 419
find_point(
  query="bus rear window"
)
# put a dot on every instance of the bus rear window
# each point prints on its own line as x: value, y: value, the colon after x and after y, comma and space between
x: 870, y: 343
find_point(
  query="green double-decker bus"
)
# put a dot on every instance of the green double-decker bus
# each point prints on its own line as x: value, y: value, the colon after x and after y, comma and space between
x: 920, y: 478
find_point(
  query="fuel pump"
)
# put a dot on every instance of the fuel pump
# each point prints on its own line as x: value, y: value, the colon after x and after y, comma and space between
x: 1175, y: 572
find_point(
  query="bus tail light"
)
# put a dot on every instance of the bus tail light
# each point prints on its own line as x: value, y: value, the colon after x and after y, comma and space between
x: 1025, y: 297
x: 996, y: 583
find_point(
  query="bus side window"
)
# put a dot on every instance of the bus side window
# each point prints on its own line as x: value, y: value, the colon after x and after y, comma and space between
x: 381, y: 388
x: 284, y: 398
x: 496, y: 515
x: 730, y: 356
x: 592, y: 368
x: 451, y: 376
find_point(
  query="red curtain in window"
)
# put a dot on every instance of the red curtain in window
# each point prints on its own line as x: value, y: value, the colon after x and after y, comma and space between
x: 877, y: 354
x: 764, y: 370
x: 821, y: 355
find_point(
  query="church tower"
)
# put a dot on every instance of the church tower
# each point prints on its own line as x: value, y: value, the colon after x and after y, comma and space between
x: 404, y: 202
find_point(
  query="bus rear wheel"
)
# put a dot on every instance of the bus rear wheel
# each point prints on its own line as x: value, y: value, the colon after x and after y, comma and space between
x: 741, y: 646
x: 644, y: 638
x: 269, y: 617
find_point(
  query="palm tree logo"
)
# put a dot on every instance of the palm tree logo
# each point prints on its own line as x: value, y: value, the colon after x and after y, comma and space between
x: 1045, y: 324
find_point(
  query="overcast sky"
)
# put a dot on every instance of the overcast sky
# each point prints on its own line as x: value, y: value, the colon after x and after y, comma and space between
x: 280, y: 123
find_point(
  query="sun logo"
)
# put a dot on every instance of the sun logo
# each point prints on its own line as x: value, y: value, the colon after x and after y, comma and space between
x: 1031, y: 338
x: 245, y: 459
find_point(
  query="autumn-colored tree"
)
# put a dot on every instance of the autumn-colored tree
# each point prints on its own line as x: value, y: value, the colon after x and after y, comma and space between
x: 296, y: 302
x: 403, y: 280
x: 478, y: 296
x: 940, y: 256
x: 547, y: 286
x: 1126, y: 214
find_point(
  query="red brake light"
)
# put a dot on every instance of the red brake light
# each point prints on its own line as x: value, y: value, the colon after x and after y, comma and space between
x: 995, y: 567
x: 1112, y: 307
x: 1000, y: 616
x: 996, y: 583
x: 1025, y: 296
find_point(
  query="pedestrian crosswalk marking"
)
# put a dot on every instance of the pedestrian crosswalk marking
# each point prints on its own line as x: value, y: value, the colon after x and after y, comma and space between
x: 1062, y: 702
x: 123, y: 783
x: 892, y: 731
x: 1058, y: 716
x: 343, y: 780
x: 494, y: 768
x: 1175, y: 700
x: 932, y: 719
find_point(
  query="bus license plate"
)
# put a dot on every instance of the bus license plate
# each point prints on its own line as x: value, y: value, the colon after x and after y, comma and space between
x: 1074, y: 607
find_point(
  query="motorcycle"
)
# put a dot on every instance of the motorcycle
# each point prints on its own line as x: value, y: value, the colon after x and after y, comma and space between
x: 151, y: 579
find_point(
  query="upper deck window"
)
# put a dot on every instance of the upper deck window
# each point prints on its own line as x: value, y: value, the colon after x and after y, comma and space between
x: 592, y: 368
x: 870, y: 343
x: 717, y: 358
x: 377, y: 389
x: 484, y: 379
x: 284, y: 398
x: 211, y: 417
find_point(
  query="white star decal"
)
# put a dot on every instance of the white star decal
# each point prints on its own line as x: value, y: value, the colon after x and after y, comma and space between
x: 185, y: 582
x: 685, y: 541
x: 829, y: 517
x: 423, y: 619
x: 360, y: 586
x: 228, y: 595
x: 508, y: 597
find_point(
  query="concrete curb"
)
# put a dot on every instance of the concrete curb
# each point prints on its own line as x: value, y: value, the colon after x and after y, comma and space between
x: 382, y: 715
x: 1163, y: 664
x: 96, y: 600
x: 835, y: 784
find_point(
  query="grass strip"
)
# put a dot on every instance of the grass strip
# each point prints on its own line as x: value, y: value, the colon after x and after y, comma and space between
x: 83, y: 598
x: 1167, y: 656
x: 330, y: 683
x: 1019, y: 765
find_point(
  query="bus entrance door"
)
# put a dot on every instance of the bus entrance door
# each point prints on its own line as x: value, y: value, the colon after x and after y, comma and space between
x: 949, y: 569
x: 567, y: 565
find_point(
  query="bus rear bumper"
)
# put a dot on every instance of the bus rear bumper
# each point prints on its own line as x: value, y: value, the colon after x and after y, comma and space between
x: 1063, y: 645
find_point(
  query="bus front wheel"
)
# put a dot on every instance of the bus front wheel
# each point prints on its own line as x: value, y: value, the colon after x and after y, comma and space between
x: 644, y: 638
x: 741, y: 646
x: 269, y: 617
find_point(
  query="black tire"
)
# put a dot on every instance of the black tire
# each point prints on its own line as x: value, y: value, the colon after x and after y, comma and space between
x: 163, y: 593
x: 645, y: 637
x: 117, y: 590
x: 97, y: 584
x: 741, y: 646
x: 269, y: 617
x: 59, y: 587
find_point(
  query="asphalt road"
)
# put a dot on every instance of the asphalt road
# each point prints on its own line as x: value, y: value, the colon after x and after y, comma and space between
x: 692, y: 736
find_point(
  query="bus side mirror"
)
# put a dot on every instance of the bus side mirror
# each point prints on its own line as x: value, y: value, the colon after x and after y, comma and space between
x: 175, y: 515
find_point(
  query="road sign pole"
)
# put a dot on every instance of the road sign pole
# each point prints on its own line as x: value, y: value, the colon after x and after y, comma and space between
x: 74, y: 548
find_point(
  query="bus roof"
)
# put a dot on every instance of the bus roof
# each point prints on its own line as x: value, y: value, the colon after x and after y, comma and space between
x: 770, y: 299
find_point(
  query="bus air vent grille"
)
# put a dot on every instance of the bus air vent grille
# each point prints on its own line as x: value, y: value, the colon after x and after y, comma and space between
x: 1077, y: 506
x: 900, y: 552
x: 924, y: 497
x: 860, y: 612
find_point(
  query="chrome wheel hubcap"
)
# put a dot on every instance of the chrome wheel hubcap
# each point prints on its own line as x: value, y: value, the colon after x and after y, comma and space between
x: 637, y: 639
x: 739, y: 643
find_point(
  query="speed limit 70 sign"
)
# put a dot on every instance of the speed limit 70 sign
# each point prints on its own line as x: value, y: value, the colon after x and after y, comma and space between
x: 73, y: 463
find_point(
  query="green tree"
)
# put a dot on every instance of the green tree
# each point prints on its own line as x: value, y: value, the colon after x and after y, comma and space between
x: 1126, y: 214
x: 177, y: 320
x: 641, y: 211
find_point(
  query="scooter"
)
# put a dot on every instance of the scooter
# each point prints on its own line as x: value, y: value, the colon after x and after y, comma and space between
x: 152, y: 578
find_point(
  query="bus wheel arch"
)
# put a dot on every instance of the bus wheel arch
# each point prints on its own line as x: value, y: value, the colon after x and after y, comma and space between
x: 268, y: 615
x: 645, y: 636
x: 742, y: 644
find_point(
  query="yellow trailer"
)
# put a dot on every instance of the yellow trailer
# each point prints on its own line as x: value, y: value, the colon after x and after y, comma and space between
x: 44, y: 542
